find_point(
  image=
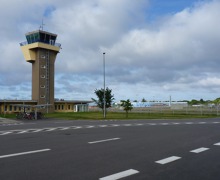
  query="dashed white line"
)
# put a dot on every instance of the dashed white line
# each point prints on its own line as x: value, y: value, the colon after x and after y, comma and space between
x: 21, y: 132
x: 103, y: 125
x: 89, y: 126
x: 202, y: 122
x: 6, y: 133
x: 105, y: 140
x: 188, y: 122
x: 152, y: 124
x: 50, y: 129
x: 65, y: 128
x: 120, y: 175
x: 199, y: 150
x: 38, y: 130
x: 168, y: 160
x: 23, y: 153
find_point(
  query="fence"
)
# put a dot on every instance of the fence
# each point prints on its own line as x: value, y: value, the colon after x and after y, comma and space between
x: 189, y: 110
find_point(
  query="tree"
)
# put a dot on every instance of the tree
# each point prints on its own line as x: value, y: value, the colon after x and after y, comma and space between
x: 108, y: 98
x: 127, y: 106
x: 143, y: 100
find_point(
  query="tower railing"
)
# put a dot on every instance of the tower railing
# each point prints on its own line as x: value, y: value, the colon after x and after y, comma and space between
x: 54, y: 44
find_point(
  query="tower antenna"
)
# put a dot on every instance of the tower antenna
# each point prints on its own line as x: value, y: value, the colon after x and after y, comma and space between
x: 42, y: 25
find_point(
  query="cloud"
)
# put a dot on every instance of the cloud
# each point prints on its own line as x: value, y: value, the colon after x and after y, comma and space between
x: 172, y: 55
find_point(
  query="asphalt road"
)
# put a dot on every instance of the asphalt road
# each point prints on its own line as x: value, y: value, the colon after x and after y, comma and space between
x: 109, y: 150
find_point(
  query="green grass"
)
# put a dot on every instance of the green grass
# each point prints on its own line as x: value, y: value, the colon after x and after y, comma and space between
x: 122, y: 116
x: 118, y: 115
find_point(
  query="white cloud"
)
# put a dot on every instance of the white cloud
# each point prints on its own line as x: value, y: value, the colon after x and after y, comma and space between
x: 173, y: 55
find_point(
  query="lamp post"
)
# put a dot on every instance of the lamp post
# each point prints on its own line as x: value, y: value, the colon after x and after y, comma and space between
x: 104, y: 99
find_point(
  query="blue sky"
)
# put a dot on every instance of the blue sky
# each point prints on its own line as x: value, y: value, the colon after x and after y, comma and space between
x: 154, y: 48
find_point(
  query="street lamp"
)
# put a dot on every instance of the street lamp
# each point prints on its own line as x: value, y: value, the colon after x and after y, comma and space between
x: 104, y: 99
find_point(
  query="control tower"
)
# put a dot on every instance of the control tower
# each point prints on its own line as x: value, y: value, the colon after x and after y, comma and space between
x: 41, y: 50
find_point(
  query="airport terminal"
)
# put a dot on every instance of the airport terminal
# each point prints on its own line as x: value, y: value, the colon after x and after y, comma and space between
x: 40, y: 49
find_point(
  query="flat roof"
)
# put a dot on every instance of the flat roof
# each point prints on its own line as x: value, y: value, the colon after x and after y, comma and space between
x: 40, y: 31
x: 56, y: 101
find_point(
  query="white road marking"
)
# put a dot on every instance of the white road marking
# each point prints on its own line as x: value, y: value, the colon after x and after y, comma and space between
x: 188, y: 122
x: 168, y: 160
x: 199, y: 150
x: 75, y: 127
x: 217, y: 144
x: 202, y: 122
x: 215, y: 122
x: 65, y: 128
x: 21, y: 132
x: 113, y: 139
x: 127, y: 124
x: 5, y: 133
x: 89, y: 126
x: 115, y: 125
x: 164, y: 123
x: 103, y: 125
x: 51, y: 129
x: 23, y: 153
x: 38, y: 130
x: 152, y: 124
x: 138, y: 124
x: 120, y: 175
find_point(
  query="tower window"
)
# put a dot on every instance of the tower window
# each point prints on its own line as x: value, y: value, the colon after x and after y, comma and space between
x: 42, y: 56
x: 42, y: 76
x: 42, y: 96
x: 42, y: 86
x: 42, y: 66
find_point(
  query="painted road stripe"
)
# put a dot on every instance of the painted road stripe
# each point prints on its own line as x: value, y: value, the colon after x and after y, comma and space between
x: 24, y: 153
x: 152, y: 124
x: 65, y: 128
x: 202, y: 122
x: 188, y: 122
x: 75, y: 127
x: 215, y: 122
x: 120, y: 175
x: 21, y: 132
x: 168, y: 160
x: 103, y: 125
x: 51, y: 129
x: 89, y: 126
x: 217, y: 144
x: 5, y: 133
x: 199, y: 150
x: 38, y: 130
x: 113, y: 139
x: 115, y: 125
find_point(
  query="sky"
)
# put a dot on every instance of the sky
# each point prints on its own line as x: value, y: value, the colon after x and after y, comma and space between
x: 154, y: 48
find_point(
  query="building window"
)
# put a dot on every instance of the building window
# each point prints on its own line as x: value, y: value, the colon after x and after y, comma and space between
x: 10, y: 108
x: 6, y: 107
x: 42, y: 96
x: 42, y: 86
x: 42, y: 76
x: 15, y: 108
x: 62, y: 107
x: 43, y: 56
x: 55, y: 107
x: 42, y: 66
x: 69, y: 107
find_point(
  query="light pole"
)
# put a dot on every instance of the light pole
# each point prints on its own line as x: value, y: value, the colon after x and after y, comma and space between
x: 104, y: 99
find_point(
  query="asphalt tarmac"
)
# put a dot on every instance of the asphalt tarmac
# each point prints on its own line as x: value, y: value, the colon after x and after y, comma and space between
x: 109, y: 150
